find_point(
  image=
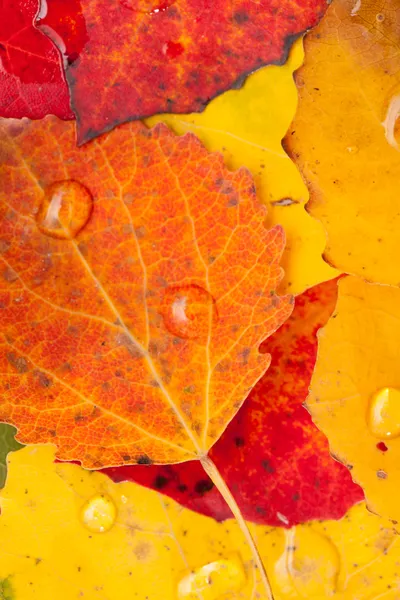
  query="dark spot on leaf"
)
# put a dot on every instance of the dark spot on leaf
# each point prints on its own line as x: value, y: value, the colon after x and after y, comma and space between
x: 160, y: 482
x: 126, y: 457
x: 267, y: 466
x: 144, y: 460
x: 381, y: 474
x: 382, y: 447
x: 239, y: 442
x: 203, y: 486
x: 182, y: 487
x: 18, y: 362
x: 240, y: 17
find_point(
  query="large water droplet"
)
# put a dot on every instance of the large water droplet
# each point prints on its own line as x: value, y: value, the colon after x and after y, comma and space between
x: 384, y: 413
x: 65, y: 209
x: 189, y: 312
x: 309, y: 566
x: 213, y: 581
x: 99, y: 514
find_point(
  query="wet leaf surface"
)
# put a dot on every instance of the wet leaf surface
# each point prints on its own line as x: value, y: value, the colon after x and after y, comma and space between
x: 120, y: 344
x: 32, y: 81
x: 273, y: 458
x: 156, y: 549
x: 345, y: 136
x: 355, y: 389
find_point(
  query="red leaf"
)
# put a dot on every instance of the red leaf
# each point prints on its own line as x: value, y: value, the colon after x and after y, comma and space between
x: 32, y: 82
x: 145, y: 57
x: 273, y: 458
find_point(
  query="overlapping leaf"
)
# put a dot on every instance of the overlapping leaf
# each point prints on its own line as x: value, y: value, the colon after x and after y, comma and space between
x: 274, y: 460
x: 8, y: 444
x: 247, y: 126
x: 344, y: 137
x: 143, y: 57
x: 156, y: 549
x: 134, y: 338
x: 32, y: 81
x: 357, y: 361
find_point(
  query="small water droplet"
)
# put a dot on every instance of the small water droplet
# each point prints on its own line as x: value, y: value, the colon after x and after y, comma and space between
x: 309, y: 566
x: 65, y: 209
x: 99, y: 514
x: 124, y: 499
x: 384, y: 413
x: 213, y: 581
x: 189, y: 312
x: 352, y: 149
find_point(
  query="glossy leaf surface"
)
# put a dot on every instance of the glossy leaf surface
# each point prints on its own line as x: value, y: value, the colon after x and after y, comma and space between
x: 156, y: 549
x: 355, y: 389
x: 273, y: 458
x: 345, y: 136
x: 143, y: 57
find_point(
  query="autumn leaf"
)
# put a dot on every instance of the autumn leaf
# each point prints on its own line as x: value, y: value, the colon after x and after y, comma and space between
x: 143, y: 57
x: 138, y: 282
x: 151, y: 547
x: 273, y: 459
x: 247, y: 126
x: 354, y: 390
x: 8, y: 443
x: 32, y: 82
x: 345, y: 138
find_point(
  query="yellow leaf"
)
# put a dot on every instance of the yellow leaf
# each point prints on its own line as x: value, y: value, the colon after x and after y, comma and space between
x: 344, y: 135
x: 155, y: 549
x: 355, y: 389
x: 247, y: 126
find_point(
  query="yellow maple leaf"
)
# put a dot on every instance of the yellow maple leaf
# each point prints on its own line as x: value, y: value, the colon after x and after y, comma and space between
x: 247, y: 126
x: 69, y: 533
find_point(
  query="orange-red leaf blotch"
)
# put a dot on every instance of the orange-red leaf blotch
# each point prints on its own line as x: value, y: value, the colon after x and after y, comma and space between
x: 89, y: 358
x: 144, y: 58
x: 271, y: 455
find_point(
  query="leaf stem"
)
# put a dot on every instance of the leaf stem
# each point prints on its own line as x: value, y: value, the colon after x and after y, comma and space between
x: 212, y: 471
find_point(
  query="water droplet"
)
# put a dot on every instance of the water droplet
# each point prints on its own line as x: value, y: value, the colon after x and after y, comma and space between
x: 124, y: 499
x: 99, y: 514
x: 355, y: 8
x: 213, y: 581
x: 384, y: 413
x: 65, y: 209
x: 352, y: 149
x: 189, y: 312
x: 309, y: 566
x: 390, y: 124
